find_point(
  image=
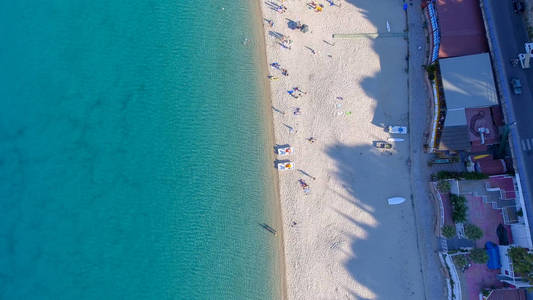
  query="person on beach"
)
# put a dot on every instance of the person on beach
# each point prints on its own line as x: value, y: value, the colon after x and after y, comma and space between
x: 284, y: 72
x: 299, y: 90
x: 291, y: 92
x: 311, y: 140
x: 292, y: 130
x: 297, y: 111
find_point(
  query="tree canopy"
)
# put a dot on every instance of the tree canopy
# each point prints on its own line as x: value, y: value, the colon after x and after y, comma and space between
x: 522, y: 262
x: 473, y: 232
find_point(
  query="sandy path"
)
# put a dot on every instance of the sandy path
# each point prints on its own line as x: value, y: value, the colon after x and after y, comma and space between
x: 347, y: 243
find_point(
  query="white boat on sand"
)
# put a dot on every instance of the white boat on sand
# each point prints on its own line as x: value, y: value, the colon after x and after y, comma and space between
x: 396, y: 200
x: 395, y: 140
x: 398, y: 129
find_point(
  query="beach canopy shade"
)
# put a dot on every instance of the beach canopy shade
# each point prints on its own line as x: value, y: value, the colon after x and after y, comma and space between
x: 494, y: 256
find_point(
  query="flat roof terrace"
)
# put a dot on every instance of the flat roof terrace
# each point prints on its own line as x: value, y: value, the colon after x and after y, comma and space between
x: 468, y: 83
x: 461, y: 27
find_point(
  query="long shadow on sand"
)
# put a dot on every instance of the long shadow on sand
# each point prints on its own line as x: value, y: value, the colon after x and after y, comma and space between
x: 393, y: 57
x: 383, y: 258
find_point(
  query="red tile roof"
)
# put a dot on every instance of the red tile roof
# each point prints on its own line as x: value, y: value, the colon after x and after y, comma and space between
x: 477, y: 118
x: 508, y: 294
x: 506, y: 184
x: 461, y: 27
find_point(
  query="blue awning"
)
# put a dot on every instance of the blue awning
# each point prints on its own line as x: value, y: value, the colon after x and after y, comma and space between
x: 494, y: 256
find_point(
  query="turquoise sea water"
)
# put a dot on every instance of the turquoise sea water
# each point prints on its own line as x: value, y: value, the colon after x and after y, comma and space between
x: 134, y: 161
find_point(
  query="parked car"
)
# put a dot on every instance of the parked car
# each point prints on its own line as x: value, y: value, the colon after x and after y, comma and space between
x: 516, y: 85
x: 518, y: 6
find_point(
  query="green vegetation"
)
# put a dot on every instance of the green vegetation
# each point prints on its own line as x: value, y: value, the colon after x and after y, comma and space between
x: 459, y: 208
x: 457, y: 251
x: 486, y: 292
x: 450, y: 278
x: 460, y: 261
x: 473, y: 175
x: 479, y: 256
x: 431, y: 68
x: 443, y: 186
x: 522, y: 262
x: 459, y: 175
x: 448, y: 231
x: 473, y: 232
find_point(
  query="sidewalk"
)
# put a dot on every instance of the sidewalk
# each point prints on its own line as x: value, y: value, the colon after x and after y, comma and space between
x: 428, y: 243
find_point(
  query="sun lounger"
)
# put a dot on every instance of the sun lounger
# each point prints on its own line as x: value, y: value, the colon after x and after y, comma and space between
x: 285, y: 150
x: 285, y: 165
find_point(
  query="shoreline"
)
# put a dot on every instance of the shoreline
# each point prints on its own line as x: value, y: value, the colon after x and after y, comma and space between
x: 271, y: 141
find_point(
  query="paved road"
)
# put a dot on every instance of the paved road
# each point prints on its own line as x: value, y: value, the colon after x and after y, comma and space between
x: 510, y: 33
x: 428, y: 243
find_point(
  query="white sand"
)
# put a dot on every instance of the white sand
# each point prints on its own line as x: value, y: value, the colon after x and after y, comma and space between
x: 347, y: 243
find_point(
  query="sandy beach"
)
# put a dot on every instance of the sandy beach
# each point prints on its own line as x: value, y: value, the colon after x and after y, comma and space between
x: 342, y: 240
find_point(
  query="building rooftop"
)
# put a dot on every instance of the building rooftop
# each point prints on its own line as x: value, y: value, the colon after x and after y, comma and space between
x: 461, y: 27
x: 481, y: 118
x: 505, y: 184
x: 468, y: 82
x: 454, y: 138
x: 497, y: 115
x: 455, y: 117
x: 491, y: 166
x: 508, y: 294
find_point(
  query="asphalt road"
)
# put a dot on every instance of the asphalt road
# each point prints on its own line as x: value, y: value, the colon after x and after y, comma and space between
x: 511, y: 35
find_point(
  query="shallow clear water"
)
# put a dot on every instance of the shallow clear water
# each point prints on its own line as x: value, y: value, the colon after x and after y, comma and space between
x: 133, y: 154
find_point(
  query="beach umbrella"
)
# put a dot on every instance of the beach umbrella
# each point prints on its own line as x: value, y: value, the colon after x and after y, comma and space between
x: 304, y: 28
